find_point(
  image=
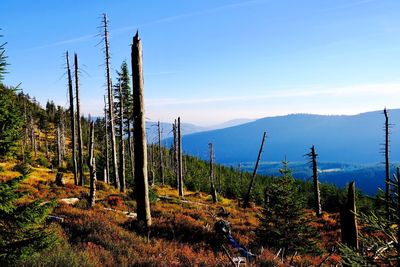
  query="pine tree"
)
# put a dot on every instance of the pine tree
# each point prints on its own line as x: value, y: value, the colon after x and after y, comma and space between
x: 11, y: 121
x: 283, y: 224
x: 22, y: 230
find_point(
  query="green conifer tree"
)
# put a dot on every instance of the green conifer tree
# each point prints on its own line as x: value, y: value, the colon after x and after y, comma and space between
x: 283, y: 223
x: 22, y: 229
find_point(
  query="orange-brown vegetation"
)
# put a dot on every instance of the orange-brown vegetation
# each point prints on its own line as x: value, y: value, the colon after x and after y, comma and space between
x: 182, y: 233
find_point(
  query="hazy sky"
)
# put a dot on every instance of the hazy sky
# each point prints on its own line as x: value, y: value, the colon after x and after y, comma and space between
x: 210, y: 61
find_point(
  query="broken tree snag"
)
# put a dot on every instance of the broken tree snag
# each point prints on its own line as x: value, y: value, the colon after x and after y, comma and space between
x: 180, y: 167
x: 212, y: 186
x: 92, y: 167
x: 110, y: 103
x: 79, y: 124
x: 60, y: 178
x: 139, y: 134
x: 160, y: 155
x: 72, y: 118
x: 387, y: 165
x: 348, y: 220
x: 317, y: 196
x: 121, y: 144
x: 248, y: 195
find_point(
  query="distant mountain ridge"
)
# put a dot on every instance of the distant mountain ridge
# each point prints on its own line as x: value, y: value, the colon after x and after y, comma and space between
x: 338, y: 138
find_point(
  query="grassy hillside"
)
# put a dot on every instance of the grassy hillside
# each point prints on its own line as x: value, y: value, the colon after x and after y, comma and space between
x: 182, y: 233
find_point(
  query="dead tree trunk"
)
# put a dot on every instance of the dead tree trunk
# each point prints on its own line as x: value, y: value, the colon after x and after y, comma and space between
x: 139, y: 130
x: 25, y: 141
x: 72, y: 118
x: 107, y: 173
x: 110, y: 105
x: 59, y: 155
x: 212, y: 186
x: 130, y: 145
x: 79, y: 124
x: 317, y: 196
x: 247, y: 197
x: 180, y: 174
x: 174, y: 129
x: 46, y: 144
x: 92, y: 167
x: 348, y: 221
x: 121, y: 144
x: 387, y: 164
x: 160, y: 155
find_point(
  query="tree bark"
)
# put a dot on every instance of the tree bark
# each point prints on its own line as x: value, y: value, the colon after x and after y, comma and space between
x: 212, y: 186
x: 387, y: 165
x: 121, y: 144
x: 72, y: 118
x: 92, y: 167
x: 247, y: 197
x: 140, y: 146
x: 107, y: 177
x: 160, y: 155
x: 317, y: 196
x: 176, y: 172
x: 180, y: 174
x: 79, y: 124
x: 110, y: 105
x: 348, y: 220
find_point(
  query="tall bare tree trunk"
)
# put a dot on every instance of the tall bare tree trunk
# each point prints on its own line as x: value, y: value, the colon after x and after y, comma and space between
x: 46, y: 144
x: 180, y: 174
x: 247, y: 197
x: 107, y: 177
x: 72, y: 118
x: 176, y: 171
x: 92, y: 167
x: 25, y: 141
x: 79, y: 124
x: 121, y: 144
x: 110, y: 105
x: 130, y: 145
x: 139, y: 130
x: 59, y: 154
x: 317, y: 197
x: 212, y: 186
x: 387, y: 164
x: 160, y: 155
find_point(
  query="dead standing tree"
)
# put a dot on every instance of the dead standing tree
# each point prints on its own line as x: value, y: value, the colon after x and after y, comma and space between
x: 79, y: 124
x: 139, y: 131
x: 180, y: 167
x: 160, y: 155
x: 348, y: 219
x: 121, y: 143
x: 110, y: 102
x: 92, y: 167
x: 176, y: 172
x: 387, y: 164
x: 317, y: 197
x: 248, y: 195
x: 212, y: 186
x: 107, y: 169
x: 72, y: 118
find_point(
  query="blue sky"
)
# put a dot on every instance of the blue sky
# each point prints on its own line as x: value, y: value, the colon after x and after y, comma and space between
x: 210, y: 61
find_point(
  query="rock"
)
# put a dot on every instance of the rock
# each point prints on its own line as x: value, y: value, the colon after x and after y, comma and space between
x: 69, y: 201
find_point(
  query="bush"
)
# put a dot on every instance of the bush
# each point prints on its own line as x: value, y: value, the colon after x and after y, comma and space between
x: 42, y: 161
x: 23, y: 168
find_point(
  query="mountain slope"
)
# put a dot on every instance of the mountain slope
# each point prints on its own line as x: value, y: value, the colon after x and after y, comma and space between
x: 351, y: 139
